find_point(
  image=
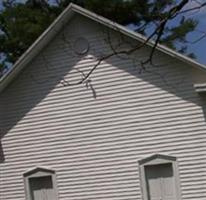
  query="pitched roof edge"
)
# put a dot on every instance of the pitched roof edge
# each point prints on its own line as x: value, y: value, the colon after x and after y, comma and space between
x: 33, y: 50
x: 58, y: 23
x: 38, y: 168
x: 136, y: 36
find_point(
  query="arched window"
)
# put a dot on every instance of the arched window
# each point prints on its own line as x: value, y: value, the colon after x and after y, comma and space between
x: 40, y: 184
x: 160, y: 178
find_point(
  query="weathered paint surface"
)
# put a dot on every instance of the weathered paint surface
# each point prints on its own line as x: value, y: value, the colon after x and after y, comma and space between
x: 94, y: 135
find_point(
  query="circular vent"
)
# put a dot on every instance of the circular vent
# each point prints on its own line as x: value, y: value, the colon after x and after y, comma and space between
x: 81, y: 46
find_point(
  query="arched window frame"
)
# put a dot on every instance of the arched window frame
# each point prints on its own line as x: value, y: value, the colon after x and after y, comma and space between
x: 39, y: 172
x: 157, y: 159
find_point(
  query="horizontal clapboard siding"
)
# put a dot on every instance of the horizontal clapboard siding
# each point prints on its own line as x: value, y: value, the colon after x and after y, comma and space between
x: 94, y: 136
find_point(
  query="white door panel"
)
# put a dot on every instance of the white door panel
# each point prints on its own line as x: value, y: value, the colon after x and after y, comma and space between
x: 160, y: 182
x: 42, y: 188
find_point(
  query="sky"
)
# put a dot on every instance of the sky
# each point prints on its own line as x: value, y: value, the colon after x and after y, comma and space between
x: 198, y: 48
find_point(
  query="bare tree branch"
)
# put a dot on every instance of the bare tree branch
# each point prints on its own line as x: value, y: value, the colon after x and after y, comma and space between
x: 155, y: 37
x: 192, y: 9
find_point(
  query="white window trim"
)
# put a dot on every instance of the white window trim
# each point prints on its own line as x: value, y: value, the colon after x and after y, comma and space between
x: 155, y: 160
x: 39, y: 172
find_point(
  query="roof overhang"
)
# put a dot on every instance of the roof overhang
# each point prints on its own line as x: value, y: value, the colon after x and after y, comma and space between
x: 200, y: 87
x: 57, y: 25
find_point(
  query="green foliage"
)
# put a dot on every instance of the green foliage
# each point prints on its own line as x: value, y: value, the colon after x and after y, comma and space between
x: 21, y: 24
x: 177, y: 34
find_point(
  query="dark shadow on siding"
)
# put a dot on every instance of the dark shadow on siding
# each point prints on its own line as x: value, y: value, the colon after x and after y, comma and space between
x: 35, y: 83
x: 1, y: 154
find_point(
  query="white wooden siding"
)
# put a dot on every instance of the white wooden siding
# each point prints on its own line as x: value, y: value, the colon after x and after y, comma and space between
x: 94, y: 143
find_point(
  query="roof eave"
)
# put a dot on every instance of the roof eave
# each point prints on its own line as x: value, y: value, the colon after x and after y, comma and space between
x: 35, y: 48
x: 58, y: 24
x: 135, y: 35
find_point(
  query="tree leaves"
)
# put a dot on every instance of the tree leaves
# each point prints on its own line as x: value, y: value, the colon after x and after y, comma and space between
x: 21, y: 24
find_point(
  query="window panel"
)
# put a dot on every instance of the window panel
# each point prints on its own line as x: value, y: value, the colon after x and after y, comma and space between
x: 159, y: 178
x: 40, y: 184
